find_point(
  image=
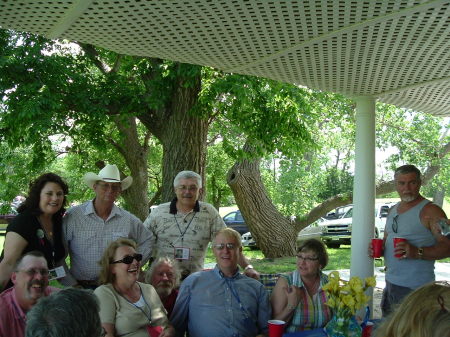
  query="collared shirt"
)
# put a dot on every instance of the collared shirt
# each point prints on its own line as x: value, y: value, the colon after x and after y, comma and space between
x: 87, y: 236
x: 311, y: 312
x: 194, y: 231
x: 12, y: 317
x: 210, y: 304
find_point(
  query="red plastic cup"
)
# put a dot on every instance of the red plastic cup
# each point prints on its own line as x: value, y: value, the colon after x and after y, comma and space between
x: 377, y: 247
x: 276, y: 328
x: 396, y: 241
x: 154, y: 331
x: 367, y: 331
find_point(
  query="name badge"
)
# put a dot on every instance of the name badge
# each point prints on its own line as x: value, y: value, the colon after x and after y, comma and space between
x: 181, y: 253
x: 58, y: 272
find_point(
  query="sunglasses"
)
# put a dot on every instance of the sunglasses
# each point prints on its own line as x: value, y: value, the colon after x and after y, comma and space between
x: 221, y: 246
x: 395, y: 224
x: 128, y: 259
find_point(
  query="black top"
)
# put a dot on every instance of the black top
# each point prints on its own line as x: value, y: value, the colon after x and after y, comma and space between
x: 27, y: 226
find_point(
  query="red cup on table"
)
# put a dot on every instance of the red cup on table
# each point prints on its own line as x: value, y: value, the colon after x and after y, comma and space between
x: 377, y: 247
x: 276, y: 327
x: 367, y: 330
x: 397, y: 240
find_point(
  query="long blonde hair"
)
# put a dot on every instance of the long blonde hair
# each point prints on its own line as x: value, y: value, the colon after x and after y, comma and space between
x: 423, y: 313
x: 108, y: 257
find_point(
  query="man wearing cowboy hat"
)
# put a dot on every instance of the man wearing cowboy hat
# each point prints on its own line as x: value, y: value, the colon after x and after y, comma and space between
x: 90, y: 227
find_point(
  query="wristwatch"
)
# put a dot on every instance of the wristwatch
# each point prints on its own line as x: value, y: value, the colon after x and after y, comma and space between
x: 420, y: 253
x: 247, y: 267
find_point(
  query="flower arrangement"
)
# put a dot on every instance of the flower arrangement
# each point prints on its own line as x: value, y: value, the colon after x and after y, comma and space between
x: 345, y: 298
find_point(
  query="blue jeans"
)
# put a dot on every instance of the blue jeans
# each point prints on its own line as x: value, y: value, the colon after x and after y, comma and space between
x: 392, y: 295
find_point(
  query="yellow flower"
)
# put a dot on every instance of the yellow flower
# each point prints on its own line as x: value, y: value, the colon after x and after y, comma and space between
x: 347, y: 296
x: 370, y: 281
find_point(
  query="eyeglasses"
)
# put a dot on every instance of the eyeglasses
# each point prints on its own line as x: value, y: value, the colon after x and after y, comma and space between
x: 187, y: 188
x: 114, y: 188
x: 128, y: 259
x: 221, y: 246
x: 32, y: 272
x: 307, y: 258
x: 395, y: 224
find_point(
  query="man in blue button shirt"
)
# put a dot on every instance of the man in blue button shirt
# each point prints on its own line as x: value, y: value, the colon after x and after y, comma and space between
x: 222, y: 302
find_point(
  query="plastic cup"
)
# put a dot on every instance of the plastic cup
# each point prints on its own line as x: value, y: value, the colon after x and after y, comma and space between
x: 377, y: 247
x: 276, y: 328
x: 396, y: 241
x: 367, y: 330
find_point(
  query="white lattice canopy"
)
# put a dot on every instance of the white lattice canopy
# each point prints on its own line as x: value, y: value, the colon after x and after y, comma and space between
x: 395, y: 50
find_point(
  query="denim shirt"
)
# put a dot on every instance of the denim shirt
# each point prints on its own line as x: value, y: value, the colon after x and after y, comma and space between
x: 210, y: 304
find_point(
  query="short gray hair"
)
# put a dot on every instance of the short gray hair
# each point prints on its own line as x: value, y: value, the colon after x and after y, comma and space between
x: 405, y: 169
x: 66, y: 313
x: 187, y: 175
x: 159, y: 261
x: 229, y: 233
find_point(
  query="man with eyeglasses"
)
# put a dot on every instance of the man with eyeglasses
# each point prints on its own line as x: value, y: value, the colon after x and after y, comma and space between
x: 184, y: 227
x: 89, y: 228
x: 30, y: 278
x: 222, y: 302
x: 410, y: 264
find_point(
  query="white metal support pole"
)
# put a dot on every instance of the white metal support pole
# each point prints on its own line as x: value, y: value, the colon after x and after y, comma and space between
x: 364, y: 188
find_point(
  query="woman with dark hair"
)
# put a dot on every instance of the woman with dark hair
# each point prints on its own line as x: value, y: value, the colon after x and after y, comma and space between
x: 298, y: 297
x: 38, y: 226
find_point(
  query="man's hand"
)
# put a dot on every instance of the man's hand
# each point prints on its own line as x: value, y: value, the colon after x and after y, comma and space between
x: 250, y: 272
x: 406, y: 250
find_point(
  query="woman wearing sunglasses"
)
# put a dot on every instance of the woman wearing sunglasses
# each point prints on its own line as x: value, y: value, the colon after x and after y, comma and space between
x: 128, y: 307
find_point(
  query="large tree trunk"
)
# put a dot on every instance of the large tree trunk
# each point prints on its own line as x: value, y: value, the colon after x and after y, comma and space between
x: 135, y: 155
x: 184, y: 139
x: 272, y: 231
x: 182, y: 134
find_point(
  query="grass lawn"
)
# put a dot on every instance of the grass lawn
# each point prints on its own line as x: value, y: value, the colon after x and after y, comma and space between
x: 338, y: 259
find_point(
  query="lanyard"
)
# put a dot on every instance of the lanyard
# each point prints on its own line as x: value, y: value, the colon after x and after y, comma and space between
x: 134, y: 305
x: 19, y: 312
x: 185, y: 230
x: 236, y: 296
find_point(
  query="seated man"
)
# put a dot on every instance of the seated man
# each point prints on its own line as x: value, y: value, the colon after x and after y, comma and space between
x: 30, y: 278
x: 222, y: 302
x: 68, y: 313
x: 164, y: 276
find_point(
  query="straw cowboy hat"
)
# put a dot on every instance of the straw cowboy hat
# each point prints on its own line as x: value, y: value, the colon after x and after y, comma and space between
x: 110, y: 174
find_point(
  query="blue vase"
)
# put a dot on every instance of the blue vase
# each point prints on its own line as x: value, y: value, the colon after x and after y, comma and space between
x: 343, y: 327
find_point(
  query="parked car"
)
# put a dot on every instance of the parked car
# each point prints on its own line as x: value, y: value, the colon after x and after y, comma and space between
x: 236, y: 221
x: 339, y: 231
x: 248, y: 241
x: 312, y: 231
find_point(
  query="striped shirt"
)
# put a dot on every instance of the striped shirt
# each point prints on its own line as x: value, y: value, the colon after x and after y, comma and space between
x: 311, y: 313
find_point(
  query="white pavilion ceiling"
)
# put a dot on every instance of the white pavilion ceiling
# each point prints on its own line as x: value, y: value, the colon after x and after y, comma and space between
x: 396, y: 50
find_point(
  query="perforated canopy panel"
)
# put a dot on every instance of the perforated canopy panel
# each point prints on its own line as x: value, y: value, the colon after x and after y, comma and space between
x: 398, y: 50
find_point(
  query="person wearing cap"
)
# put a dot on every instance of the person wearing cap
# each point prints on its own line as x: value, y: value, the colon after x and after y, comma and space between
x: 90, y: 227
x: 184, y: 227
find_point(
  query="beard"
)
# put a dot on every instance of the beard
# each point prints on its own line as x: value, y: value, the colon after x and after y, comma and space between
x: 408, y: 197
x: 164, y: 289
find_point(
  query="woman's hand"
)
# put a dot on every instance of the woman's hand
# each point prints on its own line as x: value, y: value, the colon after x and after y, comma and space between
x: 293, y: 295
x: 169, y: 331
